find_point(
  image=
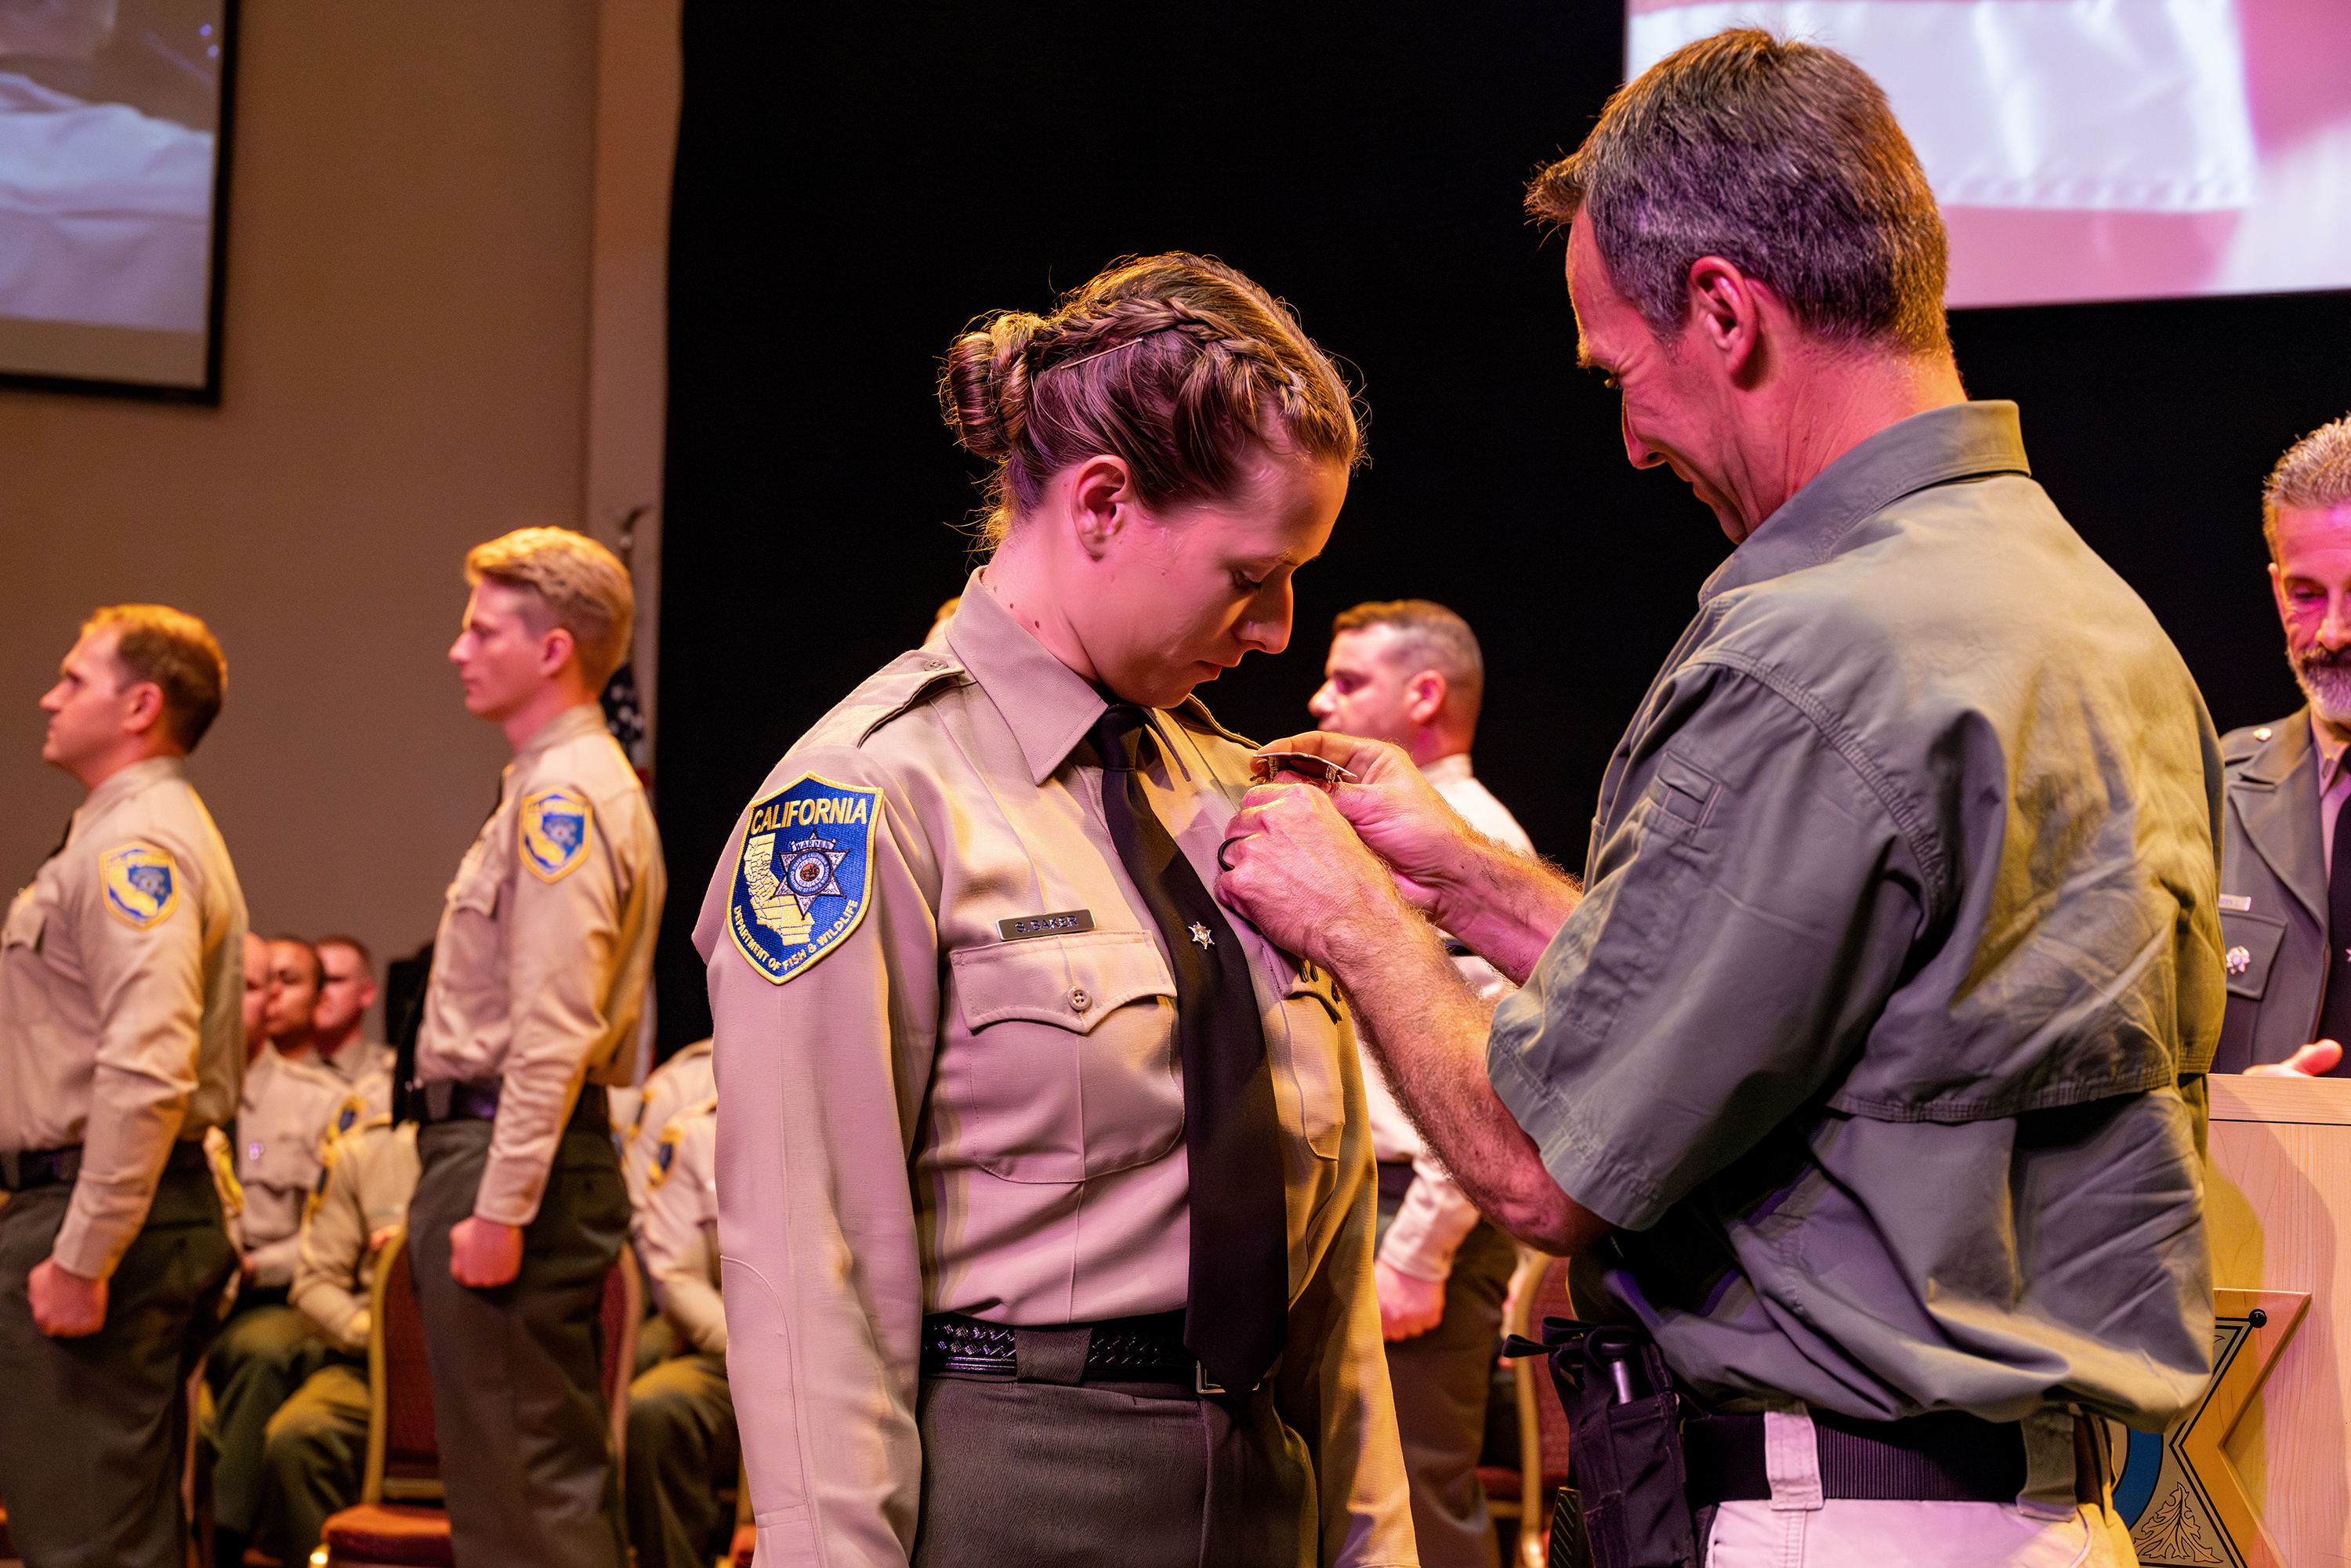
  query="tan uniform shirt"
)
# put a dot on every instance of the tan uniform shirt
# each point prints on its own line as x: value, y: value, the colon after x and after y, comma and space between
x: 930, y: 1117
x: 283, y: 1121
x: 121, y: 1001
x: 677, y: 1234
x: 365, y: 1187
x: 678, y: 1084
x: 546, y: 938
x: 1428, y: 1229
x: 360, y: 1059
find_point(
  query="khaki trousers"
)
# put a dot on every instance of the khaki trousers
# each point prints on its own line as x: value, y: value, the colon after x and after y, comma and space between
x: 93, y: 1431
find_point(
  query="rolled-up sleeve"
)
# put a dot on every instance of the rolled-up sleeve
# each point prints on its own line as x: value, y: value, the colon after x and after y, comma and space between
x: 148, y: 988
x: 563, y: 940
x: 1741, y: 930
x: 821, y: 1083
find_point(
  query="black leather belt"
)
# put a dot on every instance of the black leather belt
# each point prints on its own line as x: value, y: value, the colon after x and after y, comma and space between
x: 1114, y: 1349
x: 1947, y: 1456
x: 476, y: 1100
x: 22, y: 1170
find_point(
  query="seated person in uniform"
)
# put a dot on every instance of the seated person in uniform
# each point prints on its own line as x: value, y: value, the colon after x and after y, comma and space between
x: 317, y: 1442
x: 293, y: 1004
x: 268, y: 1349
x: 2286, y: 892
x: 676, y: 1085
x: 682, y: 1440
x: 338, y: 1034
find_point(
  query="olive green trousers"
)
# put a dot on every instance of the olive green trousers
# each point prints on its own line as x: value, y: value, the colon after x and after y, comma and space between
x: 93, y: 1431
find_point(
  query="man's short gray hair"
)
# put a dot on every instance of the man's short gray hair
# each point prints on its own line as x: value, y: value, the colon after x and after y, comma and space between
x: 1428, y: 636
x: 2313, y: 476
x: 1781, y: 158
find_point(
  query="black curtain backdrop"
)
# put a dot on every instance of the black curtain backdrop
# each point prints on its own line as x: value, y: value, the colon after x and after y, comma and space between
x: 852, y: 185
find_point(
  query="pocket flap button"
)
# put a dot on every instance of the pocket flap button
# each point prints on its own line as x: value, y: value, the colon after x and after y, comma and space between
x: 1080, y: 999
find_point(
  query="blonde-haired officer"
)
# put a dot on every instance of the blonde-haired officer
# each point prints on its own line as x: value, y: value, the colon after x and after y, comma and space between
x: 121, y: 981
x: 539, y: 978
x: 682, y: 1440
x: 317, y: 1440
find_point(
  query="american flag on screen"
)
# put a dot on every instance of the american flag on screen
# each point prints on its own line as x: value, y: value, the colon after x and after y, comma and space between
x: 2098, y: 149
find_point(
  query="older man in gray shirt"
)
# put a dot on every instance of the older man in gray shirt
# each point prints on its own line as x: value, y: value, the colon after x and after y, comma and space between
x: 1865, y: 1071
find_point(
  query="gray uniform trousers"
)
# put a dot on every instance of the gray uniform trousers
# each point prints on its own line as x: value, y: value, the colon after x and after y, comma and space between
x: 683, y: 1447
x: 517, y: 1397
x: 93, y: 1431
x: 313, y: 1459
x: 1442, y: 1380
x: 1044, y: 1472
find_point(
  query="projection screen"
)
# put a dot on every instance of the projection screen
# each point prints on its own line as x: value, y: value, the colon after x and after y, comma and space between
x: 2098, y: 149
x: 113, y: 125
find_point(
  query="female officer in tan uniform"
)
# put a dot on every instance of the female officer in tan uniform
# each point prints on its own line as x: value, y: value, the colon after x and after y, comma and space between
x: 1046, y: 1198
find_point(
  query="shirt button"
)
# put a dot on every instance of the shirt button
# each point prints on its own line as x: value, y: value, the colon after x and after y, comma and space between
x: 1080, y: 999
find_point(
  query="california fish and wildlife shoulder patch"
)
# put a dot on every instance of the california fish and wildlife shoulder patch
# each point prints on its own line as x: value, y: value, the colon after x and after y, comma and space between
x: 554, y: 837
x: 142, y: 883
x: 806, y: 876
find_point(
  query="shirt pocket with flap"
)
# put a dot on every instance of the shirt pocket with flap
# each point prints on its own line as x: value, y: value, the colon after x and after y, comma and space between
x: 2249, y: 945
x: 26, y: 915
x: 1066, y: 1065
x: 1310, y: 1014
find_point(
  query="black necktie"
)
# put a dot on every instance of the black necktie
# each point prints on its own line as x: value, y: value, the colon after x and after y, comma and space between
x: 2335, y: 1017
x: 1237, y: 1314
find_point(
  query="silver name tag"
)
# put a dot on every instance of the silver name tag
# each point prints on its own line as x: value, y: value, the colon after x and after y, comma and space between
x: 2235, y: 902
x: 1061, y: 925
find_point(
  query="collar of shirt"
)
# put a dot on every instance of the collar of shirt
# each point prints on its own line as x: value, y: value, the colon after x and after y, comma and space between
x: 1453, y: 769
x: 1961, y: 441
x: 130, y: 781
x: 1048, y: 705
x: 2333, y: 747
x: 572, y: 723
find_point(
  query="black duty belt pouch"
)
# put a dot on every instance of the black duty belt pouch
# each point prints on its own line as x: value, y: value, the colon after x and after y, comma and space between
x: 1627, y: 1503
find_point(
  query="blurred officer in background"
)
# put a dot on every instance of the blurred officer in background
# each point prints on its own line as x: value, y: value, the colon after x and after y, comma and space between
x: 294, y: 978
x: 1409, y: 672
x: 676, y: 1085
x: 338, y: 1023
x: 267, y: 1349
x: 317, y: 1442
x: 121, y: 989
x: 539, y: 978
x: 2285, y: 891
x: 682, y: 1441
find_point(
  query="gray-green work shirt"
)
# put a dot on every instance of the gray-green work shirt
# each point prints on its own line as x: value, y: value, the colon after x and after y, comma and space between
x: 1880, y: 1030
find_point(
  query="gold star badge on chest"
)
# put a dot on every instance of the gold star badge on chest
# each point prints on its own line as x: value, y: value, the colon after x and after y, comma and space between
x: 1200, y: 937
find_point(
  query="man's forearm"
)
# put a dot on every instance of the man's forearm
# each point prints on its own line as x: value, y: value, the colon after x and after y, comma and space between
x: 1428, y: 1034
x: 1504, y: 907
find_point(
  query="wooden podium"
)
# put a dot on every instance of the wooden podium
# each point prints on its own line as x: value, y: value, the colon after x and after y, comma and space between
x: 2259, y: 1474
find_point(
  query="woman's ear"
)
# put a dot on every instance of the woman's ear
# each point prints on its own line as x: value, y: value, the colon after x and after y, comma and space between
x: 1101, y: 495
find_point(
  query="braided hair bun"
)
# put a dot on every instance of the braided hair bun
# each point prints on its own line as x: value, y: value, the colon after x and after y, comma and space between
x: 1177, y: 363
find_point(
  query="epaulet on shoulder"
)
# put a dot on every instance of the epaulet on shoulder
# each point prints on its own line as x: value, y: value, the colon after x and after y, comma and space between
x: 1194, y: 712
x: 2239, y: 745
x: 904, y: 684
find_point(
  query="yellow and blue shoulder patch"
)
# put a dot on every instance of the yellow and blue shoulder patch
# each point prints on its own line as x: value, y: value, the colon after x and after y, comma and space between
x: 665, y: 1155
x: 806, y: 876
x: 143, y: 884
x: 554, y: 836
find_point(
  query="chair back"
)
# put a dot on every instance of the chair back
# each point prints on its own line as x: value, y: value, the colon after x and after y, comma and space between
x: 618, y: 1316
x: 1548, y: 1299
x: 403, y: 1456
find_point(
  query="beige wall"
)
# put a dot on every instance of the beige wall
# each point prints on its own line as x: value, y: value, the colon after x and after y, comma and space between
x: 406, y: 373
